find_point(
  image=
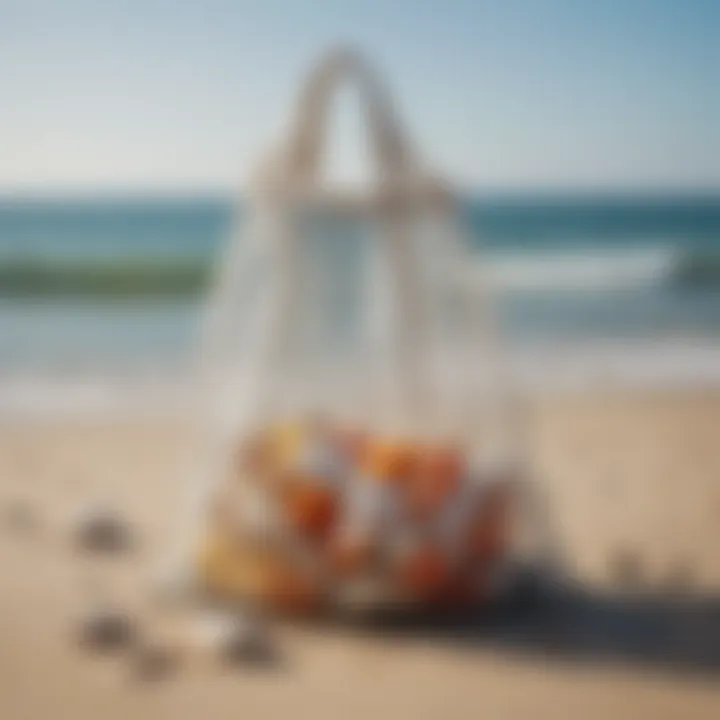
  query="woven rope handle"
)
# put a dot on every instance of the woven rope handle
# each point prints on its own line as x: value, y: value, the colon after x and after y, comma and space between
x: 387, y: 140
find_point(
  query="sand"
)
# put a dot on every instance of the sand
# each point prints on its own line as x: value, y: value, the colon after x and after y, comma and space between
x: 633, y: 481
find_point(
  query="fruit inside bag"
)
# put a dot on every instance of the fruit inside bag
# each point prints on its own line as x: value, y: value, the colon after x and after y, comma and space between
x: 326, y: 515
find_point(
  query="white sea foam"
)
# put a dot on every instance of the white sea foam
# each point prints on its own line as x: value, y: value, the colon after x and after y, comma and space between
x: 576, y: 270
x: 540, y: 368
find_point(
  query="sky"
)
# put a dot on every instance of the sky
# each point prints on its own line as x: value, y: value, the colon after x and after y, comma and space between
x: 187, y: 95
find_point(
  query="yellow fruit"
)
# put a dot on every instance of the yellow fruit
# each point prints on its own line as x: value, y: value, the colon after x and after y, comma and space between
x: 233, y: 571
x: 286, y: 443
x: 225, y: 567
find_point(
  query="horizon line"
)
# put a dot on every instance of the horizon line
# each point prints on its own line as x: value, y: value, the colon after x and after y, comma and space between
x: 112, y: 193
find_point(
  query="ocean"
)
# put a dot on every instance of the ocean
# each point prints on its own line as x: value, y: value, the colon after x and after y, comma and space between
x: 92, y: 287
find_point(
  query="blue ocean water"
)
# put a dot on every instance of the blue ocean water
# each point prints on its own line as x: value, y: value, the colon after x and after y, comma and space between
x: 566, y: 268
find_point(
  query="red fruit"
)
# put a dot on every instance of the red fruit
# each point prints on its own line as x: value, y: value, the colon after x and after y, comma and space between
x: 489, y: 531
x: 311, y: 508
x: 425, y: 572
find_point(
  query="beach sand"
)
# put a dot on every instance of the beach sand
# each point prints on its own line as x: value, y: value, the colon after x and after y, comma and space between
x: 633, y: 481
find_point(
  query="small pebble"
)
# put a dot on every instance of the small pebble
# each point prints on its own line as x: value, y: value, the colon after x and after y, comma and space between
x: 248, y: 645
x: 101, y: 529
x: 105, y: 629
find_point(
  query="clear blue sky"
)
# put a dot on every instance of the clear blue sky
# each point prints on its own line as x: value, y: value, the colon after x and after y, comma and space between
x: 180, y: 94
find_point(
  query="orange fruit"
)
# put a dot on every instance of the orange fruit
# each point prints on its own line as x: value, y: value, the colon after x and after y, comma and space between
x: 390, y: 460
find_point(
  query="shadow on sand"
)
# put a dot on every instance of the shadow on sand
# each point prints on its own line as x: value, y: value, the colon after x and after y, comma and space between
x: 566, y: 622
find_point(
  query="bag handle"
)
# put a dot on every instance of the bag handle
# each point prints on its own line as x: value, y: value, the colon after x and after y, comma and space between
x: 388, y: 141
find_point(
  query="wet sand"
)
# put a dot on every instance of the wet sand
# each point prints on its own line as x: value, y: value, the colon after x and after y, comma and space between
x: 633, y: 481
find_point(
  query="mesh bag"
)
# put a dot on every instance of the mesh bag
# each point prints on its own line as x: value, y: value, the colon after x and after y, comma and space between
x: 354, y: 393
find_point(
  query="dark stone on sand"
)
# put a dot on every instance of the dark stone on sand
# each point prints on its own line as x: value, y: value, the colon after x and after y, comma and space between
x: 246, y: 642
x: 103, y: 530
x: 106, y: 629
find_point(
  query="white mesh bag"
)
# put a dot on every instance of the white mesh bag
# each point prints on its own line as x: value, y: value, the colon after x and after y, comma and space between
x: 349, y: 372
